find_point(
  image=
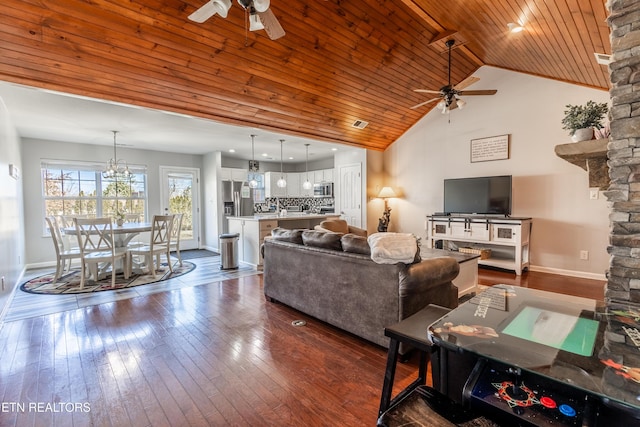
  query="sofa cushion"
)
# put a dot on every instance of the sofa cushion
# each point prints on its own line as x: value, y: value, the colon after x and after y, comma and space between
x: 283, y: 234
x: 321, y: 239
x: 355, y: 244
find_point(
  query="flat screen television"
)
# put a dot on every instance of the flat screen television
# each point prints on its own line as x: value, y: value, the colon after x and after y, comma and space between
x: 487, y: 195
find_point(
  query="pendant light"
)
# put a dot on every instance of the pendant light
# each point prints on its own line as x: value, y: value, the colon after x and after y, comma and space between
x: 282, y: 183
x: 115, y: 166
x: 253, y: 183
x: 307, y: 184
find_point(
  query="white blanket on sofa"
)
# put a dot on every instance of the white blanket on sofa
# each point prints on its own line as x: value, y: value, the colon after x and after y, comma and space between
x: 392, y: 248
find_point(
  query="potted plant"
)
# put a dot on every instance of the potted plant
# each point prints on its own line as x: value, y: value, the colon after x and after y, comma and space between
x: 582, y: 119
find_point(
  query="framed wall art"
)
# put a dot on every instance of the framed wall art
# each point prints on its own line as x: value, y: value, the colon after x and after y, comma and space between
x: 490, y: 148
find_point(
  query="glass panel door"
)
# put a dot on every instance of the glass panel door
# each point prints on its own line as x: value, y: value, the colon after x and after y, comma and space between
x: 180, y: 189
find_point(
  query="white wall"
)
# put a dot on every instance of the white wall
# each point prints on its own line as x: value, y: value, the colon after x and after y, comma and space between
x: 12, y: 246
x: 39, y: 248
x: 552, y: 191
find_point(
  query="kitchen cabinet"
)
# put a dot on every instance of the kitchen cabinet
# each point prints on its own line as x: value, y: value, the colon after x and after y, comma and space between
x: 293, y: 184
x: 233, y: 174
x: 322, y: 175
x: 271, y: 188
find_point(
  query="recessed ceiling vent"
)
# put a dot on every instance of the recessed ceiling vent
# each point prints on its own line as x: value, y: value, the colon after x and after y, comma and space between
x: 360, y: 124
x: 603, y: 58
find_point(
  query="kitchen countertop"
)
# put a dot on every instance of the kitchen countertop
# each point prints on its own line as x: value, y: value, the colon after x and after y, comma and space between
x: 290, y: 216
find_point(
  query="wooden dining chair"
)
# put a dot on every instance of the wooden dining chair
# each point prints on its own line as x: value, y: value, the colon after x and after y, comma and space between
x: 159, y: 244
x: 175, y: 235
x: 95, y: 238
x: 132, y: 217
x: 63, y: 254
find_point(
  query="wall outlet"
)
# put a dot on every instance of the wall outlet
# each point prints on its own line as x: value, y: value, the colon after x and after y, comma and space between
x: 594, y: 194
x: 584, y: 255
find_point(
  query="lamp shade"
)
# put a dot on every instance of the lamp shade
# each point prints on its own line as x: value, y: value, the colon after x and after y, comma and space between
x: 386, y: 192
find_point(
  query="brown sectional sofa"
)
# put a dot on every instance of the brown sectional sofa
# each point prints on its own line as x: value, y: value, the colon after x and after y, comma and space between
x: 310, y: 271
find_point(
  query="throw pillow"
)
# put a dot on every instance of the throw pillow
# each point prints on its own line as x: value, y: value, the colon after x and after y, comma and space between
x: 355, y: 244
x: 391, y: 248
x: 322, y: 239
x: 283, y: 234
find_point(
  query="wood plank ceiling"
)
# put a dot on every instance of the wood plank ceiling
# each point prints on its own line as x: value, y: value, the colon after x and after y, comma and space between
x: 340, y: 61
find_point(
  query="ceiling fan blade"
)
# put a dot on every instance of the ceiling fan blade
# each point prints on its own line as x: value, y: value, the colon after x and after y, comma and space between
x: 466, y: 82
x: 426, y: 91
x: 209, y: 9
x: 478, y: 92
x: 204, y: 13
x: 271, y: 25
x: 425, y: 103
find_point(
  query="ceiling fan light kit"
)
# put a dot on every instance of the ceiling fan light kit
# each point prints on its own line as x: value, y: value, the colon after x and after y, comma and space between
x: 260, y: 16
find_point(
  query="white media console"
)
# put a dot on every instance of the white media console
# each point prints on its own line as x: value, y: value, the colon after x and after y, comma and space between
x: 507, y: 238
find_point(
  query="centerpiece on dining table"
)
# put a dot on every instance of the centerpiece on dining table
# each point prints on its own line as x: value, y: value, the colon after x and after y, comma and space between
x: 119, y: 217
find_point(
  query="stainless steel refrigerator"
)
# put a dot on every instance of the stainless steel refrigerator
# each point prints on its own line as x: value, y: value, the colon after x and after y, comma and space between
x: 238, y: 198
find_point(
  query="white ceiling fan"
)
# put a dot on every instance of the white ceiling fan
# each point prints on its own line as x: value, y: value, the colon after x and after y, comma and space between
x: 260, y: 16
x: 449, y: 96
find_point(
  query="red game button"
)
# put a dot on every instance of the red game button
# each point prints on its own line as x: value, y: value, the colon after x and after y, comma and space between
x: 548, y: 402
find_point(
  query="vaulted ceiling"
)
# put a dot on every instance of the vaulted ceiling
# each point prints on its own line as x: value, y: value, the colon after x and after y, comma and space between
x: 340, y: 60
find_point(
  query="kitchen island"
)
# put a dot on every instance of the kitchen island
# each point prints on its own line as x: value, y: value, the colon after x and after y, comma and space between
x: 253, y: 230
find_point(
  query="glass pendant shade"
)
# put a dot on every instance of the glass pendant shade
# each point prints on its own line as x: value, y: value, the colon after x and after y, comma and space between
x: 253, y: 183
x: 307, y: 184
x: 282, y: 183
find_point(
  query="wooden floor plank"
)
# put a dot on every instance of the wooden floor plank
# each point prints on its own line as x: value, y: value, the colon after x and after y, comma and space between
x: 211, y: 354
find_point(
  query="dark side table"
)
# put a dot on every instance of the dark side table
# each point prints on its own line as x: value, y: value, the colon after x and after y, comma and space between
x: 413, y: 332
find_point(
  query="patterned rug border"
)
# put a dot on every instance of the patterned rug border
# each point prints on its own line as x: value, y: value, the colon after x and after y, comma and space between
x: 44, y: 281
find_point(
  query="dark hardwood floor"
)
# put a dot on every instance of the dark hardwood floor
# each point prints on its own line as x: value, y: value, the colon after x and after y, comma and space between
x: 215, y: 354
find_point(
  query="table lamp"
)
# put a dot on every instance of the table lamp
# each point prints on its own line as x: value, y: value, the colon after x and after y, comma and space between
x: 385, y: 193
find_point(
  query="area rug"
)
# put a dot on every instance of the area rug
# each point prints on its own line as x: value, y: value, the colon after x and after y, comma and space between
x: 70, y: 283
x: 195, y: 253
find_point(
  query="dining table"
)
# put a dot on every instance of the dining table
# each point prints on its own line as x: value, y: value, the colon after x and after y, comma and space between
x: 122, y: 236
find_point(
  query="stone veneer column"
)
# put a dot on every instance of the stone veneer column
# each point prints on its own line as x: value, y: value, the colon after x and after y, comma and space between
x: 623, y: 282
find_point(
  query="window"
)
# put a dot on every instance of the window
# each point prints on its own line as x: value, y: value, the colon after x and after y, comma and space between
x: 77, y: 189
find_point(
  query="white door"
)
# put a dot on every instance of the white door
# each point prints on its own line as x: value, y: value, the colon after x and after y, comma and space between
x: 180, y: 190
x: 350, y: 195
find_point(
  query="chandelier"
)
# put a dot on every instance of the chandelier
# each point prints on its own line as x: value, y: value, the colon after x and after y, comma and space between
x: 115, y: 166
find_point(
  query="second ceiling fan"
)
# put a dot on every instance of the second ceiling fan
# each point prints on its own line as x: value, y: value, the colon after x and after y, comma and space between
x: 449, y: 96
x: 260, y: 16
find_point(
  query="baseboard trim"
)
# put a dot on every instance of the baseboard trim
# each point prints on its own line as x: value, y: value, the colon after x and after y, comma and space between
x: 571, y: 273
x: 5, y: 308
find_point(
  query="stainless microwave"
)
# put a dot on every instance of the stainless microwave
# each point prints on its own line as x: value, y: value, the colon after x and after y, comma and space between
x: 324, y: 189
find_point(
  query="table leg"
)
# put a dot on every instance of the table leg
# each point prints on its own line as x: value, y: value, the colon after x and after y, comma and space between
x: 389, y: 375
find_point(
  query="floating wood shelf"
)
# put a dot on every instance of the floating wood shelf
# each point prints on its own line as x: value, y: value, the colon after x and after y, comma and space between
x: 590, y: 156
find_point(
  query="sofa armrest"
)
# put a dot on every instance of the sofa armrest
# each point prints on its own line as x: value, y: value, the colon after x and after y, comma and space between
x: 428, y: 282
x: 357, y: 231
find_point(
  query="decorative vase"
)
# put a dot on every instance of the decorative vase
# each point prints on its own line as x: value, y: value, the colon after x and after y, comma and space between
x: 120, y: 222
x: 584, y: 134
